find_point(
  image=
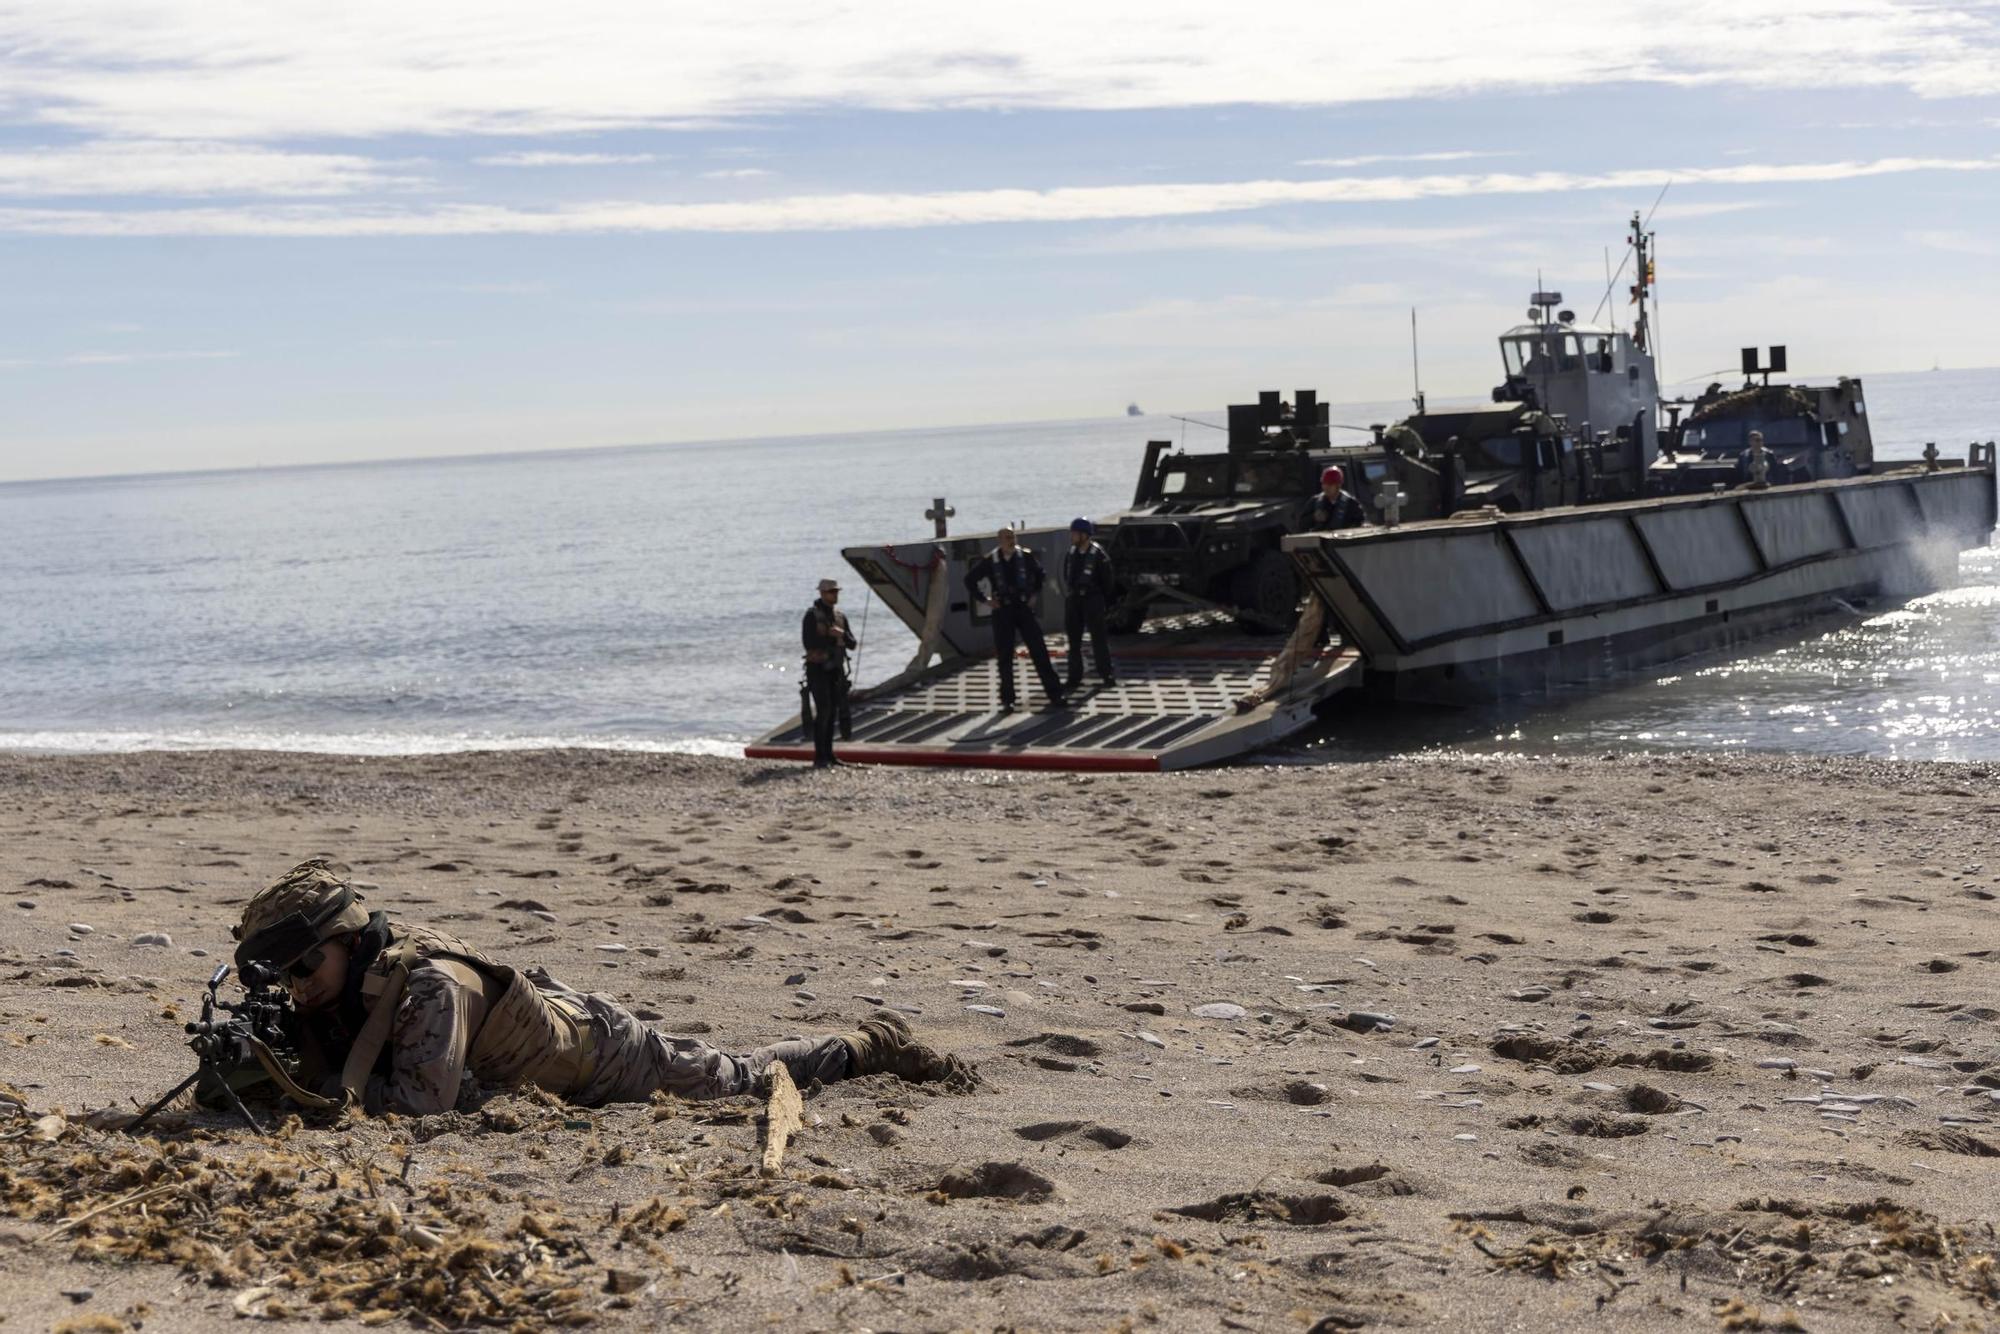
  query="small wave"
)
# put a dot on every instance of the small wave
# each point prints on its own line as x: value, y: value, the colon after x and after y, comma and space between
x: 351, y: 743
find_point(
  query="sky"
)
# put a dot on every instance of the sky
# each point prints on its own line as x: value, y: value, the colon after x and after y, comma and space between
x: 241, y: 234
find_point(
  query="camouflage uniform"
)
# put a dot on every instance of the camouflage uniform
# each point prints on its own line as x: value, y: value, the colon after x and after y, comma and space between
x: 458, y: 1013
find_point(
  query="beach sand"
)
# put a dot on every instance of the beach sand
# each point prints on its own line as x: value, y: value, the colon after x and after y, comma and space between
x: 1677, y: 1042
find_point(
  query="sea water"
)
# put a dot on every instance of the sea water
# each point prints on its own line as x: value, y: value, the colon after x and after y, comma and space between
x: 650, y: 597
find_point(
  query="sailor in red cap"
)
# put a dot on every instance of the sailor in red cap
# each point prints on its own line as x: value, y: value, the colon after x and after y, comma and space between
x: 1333, y: 507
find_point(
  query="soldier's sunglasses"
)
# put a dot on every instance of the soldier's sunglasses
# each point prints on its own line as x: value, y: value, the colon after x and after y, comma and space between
x: 306, y: 964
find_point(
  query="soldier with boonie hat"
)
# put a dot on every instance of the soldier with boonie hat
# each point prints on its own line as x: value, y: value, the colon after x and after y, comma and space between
x: 827, y: 640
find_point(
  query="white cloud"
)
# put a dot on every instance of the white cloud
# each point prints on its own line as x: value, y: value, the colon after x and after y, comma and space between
x: 552, y: 159
x: 1683, y: 210
x: 1371, y: 159
x: 735, y: 173
x: 856, y: 212
x: 1955, y: 243
x: 1256, y: 236
x: 110, y: 359
x: 155, y: 167
x: 270, y: 69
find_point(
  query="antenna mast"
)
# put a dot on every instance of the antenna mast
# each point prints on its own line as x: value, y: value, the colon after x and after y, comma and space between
x: 1416, y: 370
x: 1642, y: 282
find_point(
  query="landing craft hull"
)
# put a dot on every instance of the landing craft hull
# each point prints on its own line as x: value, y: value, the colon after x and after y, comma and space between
x: 1469, y: 611
x: 1456, y: 611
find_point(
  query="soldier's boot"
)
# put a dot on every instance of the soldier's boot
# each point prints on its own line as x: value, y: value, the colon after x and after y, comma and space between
x: 884, y: 1045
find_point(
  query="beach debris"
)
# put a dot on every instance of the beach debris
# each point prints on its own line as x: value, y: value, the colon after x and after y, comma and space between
x: 1366, y: 1021
x: 1219, y: 1010
x: 783, y: 1115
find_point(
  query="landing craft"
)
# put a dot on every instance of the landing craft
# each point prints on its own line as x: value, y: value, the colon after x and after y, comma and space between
x: 1578, y: 529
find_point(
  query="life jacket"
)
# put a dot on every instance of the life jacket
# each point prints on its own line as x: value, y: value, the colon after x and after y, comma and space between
x: 529, y: 1036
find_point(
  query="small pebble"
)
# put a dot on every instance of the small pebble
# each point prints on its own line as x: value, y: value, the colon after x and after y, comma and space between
x: 1150, y: 1039
x: 1422, y: 1043
x: 1465, y: 1069
x: 1466, y: 1139
x: 795, y: 979
x: 81, y: 928
x: 612, y: 949
x: 993, y: 1010
x: 860, y: 996
x: 543, y: 914
x: 24, y: 903
x: 159, y: 938
x: 79, y: 1295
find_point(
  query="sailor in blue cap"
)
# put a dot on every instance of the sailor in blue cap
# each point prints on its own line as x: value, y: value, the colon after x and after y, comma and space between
x: 1088, y: 592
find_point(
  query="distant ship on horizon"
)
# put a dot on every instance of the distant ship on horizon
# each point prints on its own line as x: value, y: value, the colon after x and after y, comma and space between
x: 1132, y: 410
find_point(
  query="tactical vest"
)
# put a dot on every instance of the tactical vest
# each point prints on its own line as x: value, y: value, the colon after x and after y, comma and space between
x: 529, y: 1036
x: 832, y: 649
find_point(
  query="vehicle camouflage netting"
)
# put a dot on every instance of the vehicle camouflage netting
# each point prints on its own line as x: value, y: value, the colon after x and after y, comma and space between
x: 1759, y: 401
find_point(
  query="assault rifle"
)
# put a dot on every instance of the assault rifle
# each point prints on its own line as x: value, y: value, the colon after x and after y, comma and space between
x: 255, y: 1040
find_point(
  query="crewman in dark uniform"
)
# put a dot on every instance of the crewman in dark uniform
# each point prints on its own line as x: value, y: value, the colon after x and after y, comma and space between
x: 827, y: 640
x: 1087, y: 592
x: 1013, y: 579
x: 1333, y: 507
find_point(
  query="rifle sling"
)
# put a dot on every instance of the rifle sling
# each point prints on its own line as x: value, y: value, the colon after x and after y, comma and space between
x: 282, y: 1077
x: 374, y: 1034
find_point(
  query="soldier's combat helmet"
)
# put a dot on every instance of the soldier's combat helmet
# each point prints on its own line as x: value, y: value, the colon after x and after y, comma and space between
x: 308, y: 904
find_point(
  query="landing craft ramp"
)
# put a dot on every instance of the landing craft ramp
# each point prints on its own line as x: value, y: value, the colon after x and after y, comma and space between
x: 1175, y: 704
x: 1174, y: 707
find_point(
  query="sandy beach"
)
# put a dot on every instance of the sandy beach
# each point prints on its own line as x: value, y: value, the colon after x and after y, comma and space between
x: 1638, y: 1042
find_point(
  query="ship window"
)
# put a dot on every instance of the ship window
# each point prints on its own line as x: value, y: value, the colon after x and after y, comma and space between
x: 1541, y: 354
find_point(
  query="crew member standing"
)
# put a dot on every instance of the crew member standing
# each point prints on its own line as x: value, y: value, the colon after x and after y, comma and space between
x: 1087, y: 589
x: 827, y: 640
x: 1013, y: 579
x: 1333, y: 507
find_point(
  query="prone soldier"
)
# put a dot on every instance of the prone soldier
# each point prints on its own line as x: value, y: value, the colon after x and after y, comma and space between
x: 395, y: 1017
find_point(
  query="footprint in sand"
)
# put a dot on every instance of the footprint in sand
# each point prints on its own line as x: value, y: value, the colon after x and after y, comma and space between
x: 1260, y: 1206
x: 1075, y: 1134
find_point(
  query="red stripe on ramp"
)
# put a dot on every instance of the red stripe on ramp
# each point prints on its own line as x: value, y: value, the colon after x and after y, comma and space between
x: 1079, y: 761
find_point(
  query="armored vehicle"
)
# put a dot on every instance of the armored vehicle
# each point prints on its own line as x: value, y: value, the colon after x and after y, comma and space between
x: 1204, y: 529
x: 1810, y: 432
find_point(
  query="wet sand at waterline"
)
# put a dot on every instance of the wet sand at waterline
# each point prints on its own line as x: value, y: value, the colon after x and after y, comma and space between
x: 1657, y: 1041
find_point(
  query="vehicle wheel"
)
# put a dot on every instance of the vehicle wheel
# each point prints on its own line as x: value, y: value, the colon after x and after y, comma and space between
x: 1125, y: 619
x: 1267, y: 591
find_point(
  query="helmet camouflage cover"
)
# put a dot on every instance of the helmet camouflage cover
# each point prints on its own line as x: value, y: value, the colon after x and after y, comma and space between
x: 309, y: 903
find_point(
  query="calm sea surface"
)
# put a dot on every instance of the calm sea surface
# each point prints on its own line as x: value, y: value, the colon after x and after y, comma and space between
x: 649, y: 599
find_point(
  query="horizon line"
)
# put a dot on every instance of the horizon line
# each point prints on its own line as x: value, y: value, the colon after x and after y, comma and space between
x: 548, y: 451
